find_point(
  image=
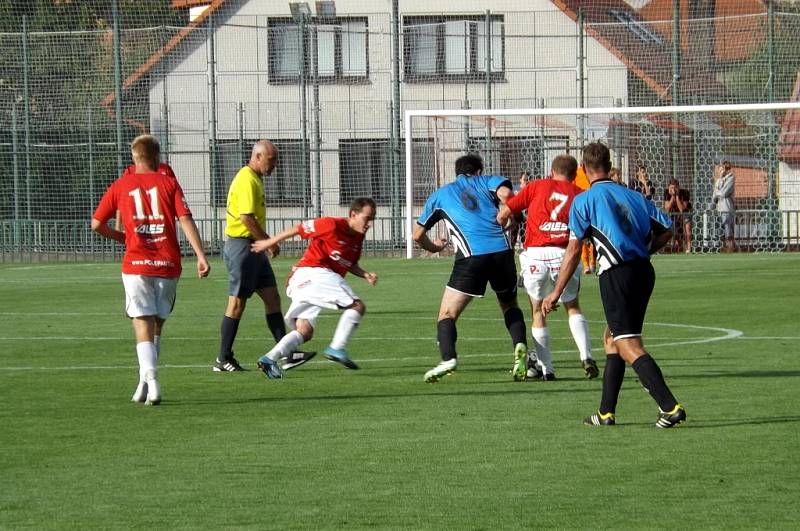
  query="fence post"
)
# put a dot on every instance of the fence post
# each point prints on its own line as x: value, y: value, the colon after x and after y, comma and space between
x: 15, y: 160
x: 212, y: 118
x: 581, y: 80
x: 317, y: 182
x: 304, y: 114
x: 488, y: 81
x: 117, y: 81
x: 90, y: 149
x: 676, y: 82
x: 26, y: 97
x: 397, y: 156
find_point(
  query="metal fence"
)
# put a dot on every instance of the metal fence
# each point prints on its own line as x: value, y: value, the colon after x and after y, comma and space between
x: 330, y: 92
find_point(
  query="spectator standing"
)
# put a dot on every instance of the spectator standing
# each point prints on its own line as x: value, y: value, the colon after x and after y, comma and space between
x: 722, y: 197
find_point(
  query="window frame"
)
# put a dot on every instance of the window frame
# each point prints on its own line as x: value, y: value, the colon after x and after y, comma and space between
x: 274, y: 24
x: 474, y: 73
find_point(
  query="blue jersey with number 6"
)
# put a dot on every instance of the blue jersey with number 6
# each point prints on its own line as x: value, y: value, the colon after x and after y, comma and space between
x: 468, y: 208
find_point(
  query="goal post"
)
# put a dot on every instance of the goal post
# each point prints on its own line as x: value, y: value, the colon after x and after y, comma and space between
x: 761, y: 141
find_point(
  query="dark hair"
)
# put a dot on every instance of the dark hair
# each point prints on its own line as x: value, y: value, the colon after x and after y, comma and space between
x: 525, y: 175
x: 674, y: 181
x: 596, y: 158
x: 726, y: 165
x: 359, y: 203
x: 469, y: 164
x: 565, y: 165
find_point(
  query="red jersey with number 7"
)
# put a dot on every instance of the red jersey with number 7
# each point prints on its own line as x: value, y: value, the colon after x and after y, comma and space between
x: 148, y: 204
x: 333, y: 244
x: 547, y: 202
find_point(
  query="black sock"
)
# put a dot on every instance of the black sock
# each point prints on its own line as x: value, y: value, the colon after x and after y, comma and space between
x: 227, y: 333
x: 613, y: 374
x: 515, y: 324
x: 652, y: 380
x: 447, y: 335
x: 276, y: 325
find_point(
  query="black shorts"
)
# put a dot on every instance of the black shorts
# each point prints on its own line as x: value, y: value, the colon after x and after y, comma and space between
x: 247, y: 271
x: 625, y: 290
x: 471, y: 274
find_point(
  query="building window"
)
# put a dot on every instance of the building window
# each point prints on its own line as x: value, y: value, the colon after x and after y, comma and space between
x: 452, y: 48
x: 287, y: 186
x: 365, y: 170
x: 341, y: 50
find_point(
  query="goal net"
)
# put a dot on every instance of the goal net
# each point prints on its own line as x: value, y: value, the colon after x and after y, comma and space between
x: 663, y: 145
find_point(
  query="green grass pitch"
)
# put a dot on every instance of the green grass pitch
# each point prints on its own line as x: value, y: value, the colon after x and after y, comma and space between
x: 378, y: 448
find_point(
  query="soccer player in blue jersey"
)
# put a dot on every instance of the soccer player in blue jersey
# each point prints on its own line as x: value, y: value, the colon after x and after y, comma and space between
x: 468, y: 207
x: 626, y: 229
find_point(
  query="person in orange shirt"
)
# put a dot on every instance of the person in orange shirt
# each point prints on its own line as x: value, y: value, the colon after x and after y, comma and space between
x: 588, y: 255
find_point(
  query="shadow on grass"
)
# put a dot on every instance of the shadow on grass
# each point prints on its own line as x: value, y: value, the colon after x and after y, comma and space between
x: 740, y: 374
x: 693, y: 424
x: 522, y: 389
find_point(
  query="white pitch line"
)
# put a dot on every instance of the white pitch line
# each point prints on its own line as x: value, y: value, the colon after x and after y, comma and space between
x: 432, y: 355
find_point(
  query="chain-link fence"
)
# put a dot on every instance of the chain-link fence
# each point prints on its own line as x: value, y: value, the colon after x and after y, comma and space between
x: 78, y: 80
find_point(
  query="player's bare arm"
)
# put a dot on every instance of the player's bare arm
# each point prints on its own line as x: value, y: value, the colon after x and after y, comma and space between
x: 571, y: 258
x: 266, y: 243
x: 104, y: 230
x: 504, y: 215
x: 249, y: 221
x: 421, y: 237
x: 660, y: 241
x: 193, y: 235
x: 370, y: 277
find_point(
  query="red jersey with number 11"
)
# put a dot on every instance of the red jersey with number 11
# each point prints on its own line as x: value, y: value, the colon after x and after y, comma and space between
x: 548, y: 202
x: 333, y: 245
x: 148, y: 204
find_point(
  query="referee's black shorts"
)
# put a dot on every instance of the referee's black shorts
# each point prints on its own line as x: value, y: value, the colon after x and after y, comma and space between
x: 625, y: 290
x: 248, y: 272
x: 470, y: 275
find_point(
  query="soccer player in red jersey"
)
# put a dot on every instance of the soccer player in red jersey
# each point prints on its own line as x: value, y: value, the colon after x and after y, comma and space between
x: 149, y: 202
x: 546, y: 236
x: 163, y: 169
x: 317, y: 282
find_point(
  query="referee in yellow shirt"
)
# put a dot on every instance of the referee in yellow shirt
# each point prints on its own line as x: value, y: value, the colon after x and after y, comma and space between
x: 250, y: 272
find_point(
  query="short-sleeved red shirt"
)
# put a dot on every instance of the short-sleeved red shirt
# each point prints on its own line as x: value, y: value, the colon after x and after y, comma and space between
x: 333, y: 245
x: 547, y: 202
x: 148, y: 204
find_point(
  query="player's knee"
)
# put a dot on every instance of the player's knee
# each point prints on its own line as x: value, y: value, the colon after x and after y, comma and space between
x: 358, y: 306
x: 507, y: 299
x: 235, y: 307
x: 305, y: 329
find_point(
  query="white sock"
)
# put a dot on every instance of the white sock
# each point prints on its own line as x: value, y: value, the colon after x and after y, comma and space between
x: 148, y: 357
x: 347, y: 325
x: 286, y: 345
x: 580, y: 333
x: 541, y: 337
x: 157, y: 343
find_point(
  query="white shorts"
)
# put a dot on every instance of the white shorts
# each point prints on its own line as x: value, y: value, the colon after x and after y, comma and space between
x: 314, y: 288
x: 146, y: 296
x: 540, y: 267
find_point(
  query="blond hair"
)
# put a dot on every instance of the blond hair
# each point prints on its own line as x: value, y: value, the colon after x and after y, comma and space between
x: 146, y: 149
